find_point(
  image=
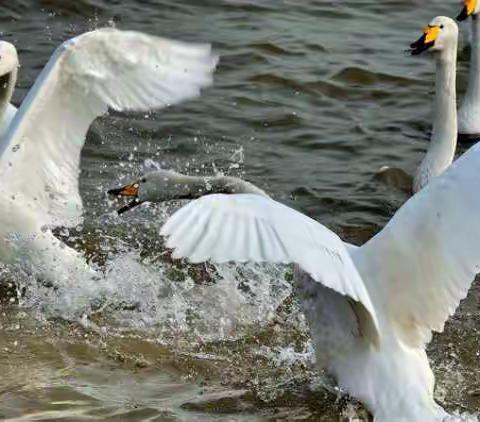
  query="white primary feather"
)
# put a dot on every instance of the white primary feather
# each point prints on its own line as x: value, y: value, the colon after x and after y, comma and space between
x: 246, y: 227
x: 106, y: 68
x: 423, y: 262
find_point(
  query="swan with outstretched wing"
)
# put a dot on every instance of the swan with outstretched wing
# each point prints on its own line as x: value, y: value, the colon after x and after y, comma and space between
x: 40, y: 151
x: 371, y: 310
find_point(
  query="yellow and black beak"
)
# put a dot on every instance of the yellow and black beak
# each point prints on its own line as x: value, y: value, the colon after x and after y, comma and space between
x: 468, y: 10
x: 128, y: 191
x: 427, y: 40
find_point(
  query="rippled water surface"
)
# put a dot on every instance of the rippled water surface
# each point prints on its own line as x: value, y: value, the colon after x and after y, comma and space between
x: 311, y: 98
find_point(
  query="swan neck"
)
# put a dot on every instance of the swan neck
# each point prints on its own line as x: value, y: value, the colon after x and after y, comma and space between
x: 443, y: 142
x: 180, y: 186
x: 445, y: 112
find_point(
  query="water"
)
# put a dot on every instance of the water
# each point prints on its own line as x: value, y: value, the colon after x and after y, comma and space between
x: 310, y: 99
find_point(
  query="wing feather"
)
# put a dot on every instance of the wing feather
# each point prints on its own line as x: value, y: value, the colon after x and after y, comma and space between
x: 106, y: 68
x: 421, y: 265
x: 248, y: 227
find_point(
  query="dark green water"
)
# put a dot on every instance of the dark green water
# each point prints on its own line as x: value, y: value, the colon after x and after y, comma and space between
x: 310, y: 99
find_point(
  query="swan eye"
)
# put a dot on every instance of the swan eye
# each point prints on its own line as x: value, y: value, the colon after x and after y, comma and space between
x: 441, y: 26
x: 143, y: 180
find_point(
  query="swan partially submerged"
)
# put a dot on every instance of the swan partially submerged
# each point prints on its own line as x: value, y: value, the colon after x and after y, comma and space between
x: 40, y: 151
x: 371, y: 310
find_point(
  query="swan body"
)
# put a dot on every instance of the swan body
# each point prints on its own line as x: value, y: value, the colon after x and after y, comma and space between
x: 371, y: 310
x: 469, y: 111
x: 40, y: 150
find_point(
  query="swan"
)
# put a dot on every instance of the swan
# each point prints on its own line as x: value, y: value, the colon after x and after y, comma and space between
x: 40, y: 151
x: 372, y: 309
x: 469, y: 111
x: 165, y: 185
x: 443, y: 141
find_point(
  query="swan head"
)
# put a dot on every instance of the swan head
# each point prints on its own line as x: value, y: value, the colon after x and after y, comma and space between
x: 470, y: 8
x: 156, y: 186
x: 440, y: 35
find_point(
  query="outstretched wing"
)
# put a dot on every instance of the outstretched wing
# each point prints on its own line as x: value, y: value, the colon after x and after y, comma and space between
x: 103, y: 69
x: 423, y: 262
x: 247, y: 227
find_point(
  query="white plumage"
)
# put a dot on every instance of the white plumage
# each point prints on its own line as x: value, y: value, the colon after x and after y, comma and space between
x: 40, y: 152
x: 371, y: 310
x: 249, y: 227
x: 404, y: 283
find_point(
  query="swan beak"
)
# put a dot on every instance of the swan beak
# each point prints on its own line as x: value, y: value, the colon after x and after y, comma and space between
x: 129, y: 191
x: 427, y: 40
x: 467, y: 10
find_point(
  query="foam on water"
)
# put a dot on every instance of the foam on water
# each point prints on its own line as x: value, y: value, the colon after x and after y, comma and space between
x: 146, y: 296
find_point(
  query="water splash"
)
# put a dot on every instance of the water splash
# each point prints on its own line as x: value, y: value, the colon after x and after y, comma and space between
x: 203, y: 303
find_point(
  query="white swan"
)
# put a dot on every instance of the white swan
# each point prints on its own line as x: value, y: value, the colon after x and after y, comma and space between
x: 371, y: 310
x: 165, y: 185
x: 443, y: 141
x: 40, y: 153
x: 469, y: 112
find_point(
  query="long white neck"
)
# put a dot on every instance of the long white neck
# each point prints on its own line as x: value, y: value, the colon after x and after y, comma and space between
x: 469, y: 112
x: 168, y: 185
x: 443, y: 141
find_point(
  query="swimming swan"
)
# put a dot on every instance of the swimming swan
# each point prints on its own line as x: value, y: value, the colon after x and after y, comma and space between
x: 371, y: 310
x: 40, y: 153
x: 469, y: 112
x: 441, y: 38
x: 443, y: 141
